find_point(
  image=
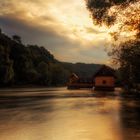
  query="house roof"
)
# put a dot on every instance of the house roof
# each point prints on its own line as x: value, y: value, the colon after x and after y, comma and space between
x: 102, y: 71
x: 74, y: 75
x: 105, y: 71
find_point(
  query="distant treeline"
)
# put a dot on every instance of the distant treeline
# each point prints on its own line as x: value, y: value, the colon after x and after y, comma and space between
x: 34, y: 65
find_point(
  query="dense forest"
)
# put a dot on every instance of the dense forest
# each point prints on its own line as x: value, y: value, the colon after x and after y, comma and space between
x: 34, y: 65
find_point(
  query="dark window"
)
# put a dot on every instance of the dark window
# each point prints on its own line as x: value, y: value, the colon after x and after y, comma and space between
x: 104, y: 81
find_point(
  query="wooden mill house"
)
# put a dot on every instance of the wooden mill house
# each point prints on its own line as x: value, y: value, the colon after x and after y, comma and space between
x: 103, y: 79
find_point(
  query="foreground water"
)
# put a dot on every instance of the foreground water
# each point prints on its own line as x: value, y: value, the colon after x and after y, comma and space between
x: 61, y: 114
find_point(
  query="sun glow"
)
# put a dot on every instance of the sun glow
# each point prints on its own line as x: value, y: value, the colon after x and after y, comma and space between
x: 72, y: 21
x: 69, y: 20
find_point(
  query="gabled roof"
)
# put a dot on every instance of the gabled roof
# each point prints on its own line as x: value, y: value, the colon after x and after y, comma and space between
x: 105, y: 71
x: 74, y: 75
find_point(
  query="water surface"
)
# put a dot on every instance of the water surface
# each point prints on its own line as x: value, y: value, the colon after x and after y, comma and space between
x: 61, y: 114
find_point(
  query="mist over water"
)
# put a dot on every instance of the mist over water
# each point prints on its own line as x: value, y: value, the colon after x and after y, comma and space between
x: 61, y: 114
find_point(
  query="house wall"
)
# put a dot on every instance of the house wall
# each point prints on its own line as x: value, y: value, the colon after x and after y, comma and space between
x: 104, y: 81
x: 73, y: 79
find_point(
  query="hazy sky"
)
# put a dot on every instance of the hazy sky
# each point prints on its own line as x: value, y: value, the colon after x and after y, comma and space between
x: 64, y: 27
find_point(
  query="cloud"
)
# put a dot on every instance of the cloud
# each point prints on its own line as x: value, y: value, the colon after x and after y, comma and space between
x: 38, y: 35
x: 92, y: 30
x: 33, y: 33
x: 60, y: 26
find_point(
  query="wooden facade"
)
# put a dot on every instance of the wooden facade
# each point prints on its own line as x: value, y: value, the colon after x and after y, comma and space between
x: 104, y: 79
x: 76, y: 82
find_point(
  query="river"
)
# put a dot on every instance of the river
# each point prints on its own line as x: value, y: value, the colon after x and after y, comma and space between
x: 61, y: 114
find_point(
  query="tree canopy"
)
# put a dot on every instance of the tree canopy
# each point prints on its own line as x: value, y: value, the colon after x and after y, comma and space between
x: 123, y: 16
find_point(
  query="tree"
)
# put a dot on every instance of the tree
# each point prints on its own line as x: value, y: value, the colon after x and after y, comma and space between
x: 124, y: 16
x: 45, y: 73
x: 59, y: 74
x: 128, y: 57
x: 31, y: 76
x: 17, y: 38
x: 6, y: 67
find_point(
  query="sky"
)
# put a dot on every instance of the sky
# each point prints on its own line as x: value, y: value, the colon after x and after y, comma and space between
x: 65, y: 28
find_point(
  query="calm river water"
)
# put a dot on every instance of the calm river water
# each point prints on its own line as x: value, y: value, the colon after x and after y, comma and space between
x: 61, y: 114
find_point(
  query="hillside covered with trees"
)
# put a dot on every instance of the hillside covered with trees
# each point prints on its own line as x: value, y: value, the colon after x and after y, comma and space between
x: 34, y: 65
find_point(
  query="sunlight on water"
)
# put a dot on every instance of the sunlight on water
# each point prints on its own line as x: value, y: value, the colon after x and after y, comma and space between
x: 61, y: 117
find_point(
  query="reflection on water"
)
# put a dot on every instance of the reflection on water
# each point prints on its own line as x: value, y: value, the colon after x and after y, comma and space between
x: 60, y: 114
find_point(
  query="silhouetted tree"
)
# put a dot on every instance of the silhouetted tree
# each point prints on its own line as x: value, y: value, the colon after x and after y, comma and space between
x: 6, y: 67
x: 128, y: 57
x: 16, y: 38
x: 125, y: 15
x: 45, y: 73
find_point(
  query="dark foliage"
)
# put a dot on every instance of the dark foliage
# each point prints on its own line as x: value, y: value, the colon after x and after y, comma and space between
x: 32, y: 64
x: 82, y: 69
x: 128, y: 56
x: 124, y: 14
x: 100, y: 9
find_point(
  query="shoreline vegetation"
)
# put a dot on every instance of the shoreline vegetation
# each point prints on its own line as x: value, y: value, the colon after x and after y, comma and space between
x: 32, y: 65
